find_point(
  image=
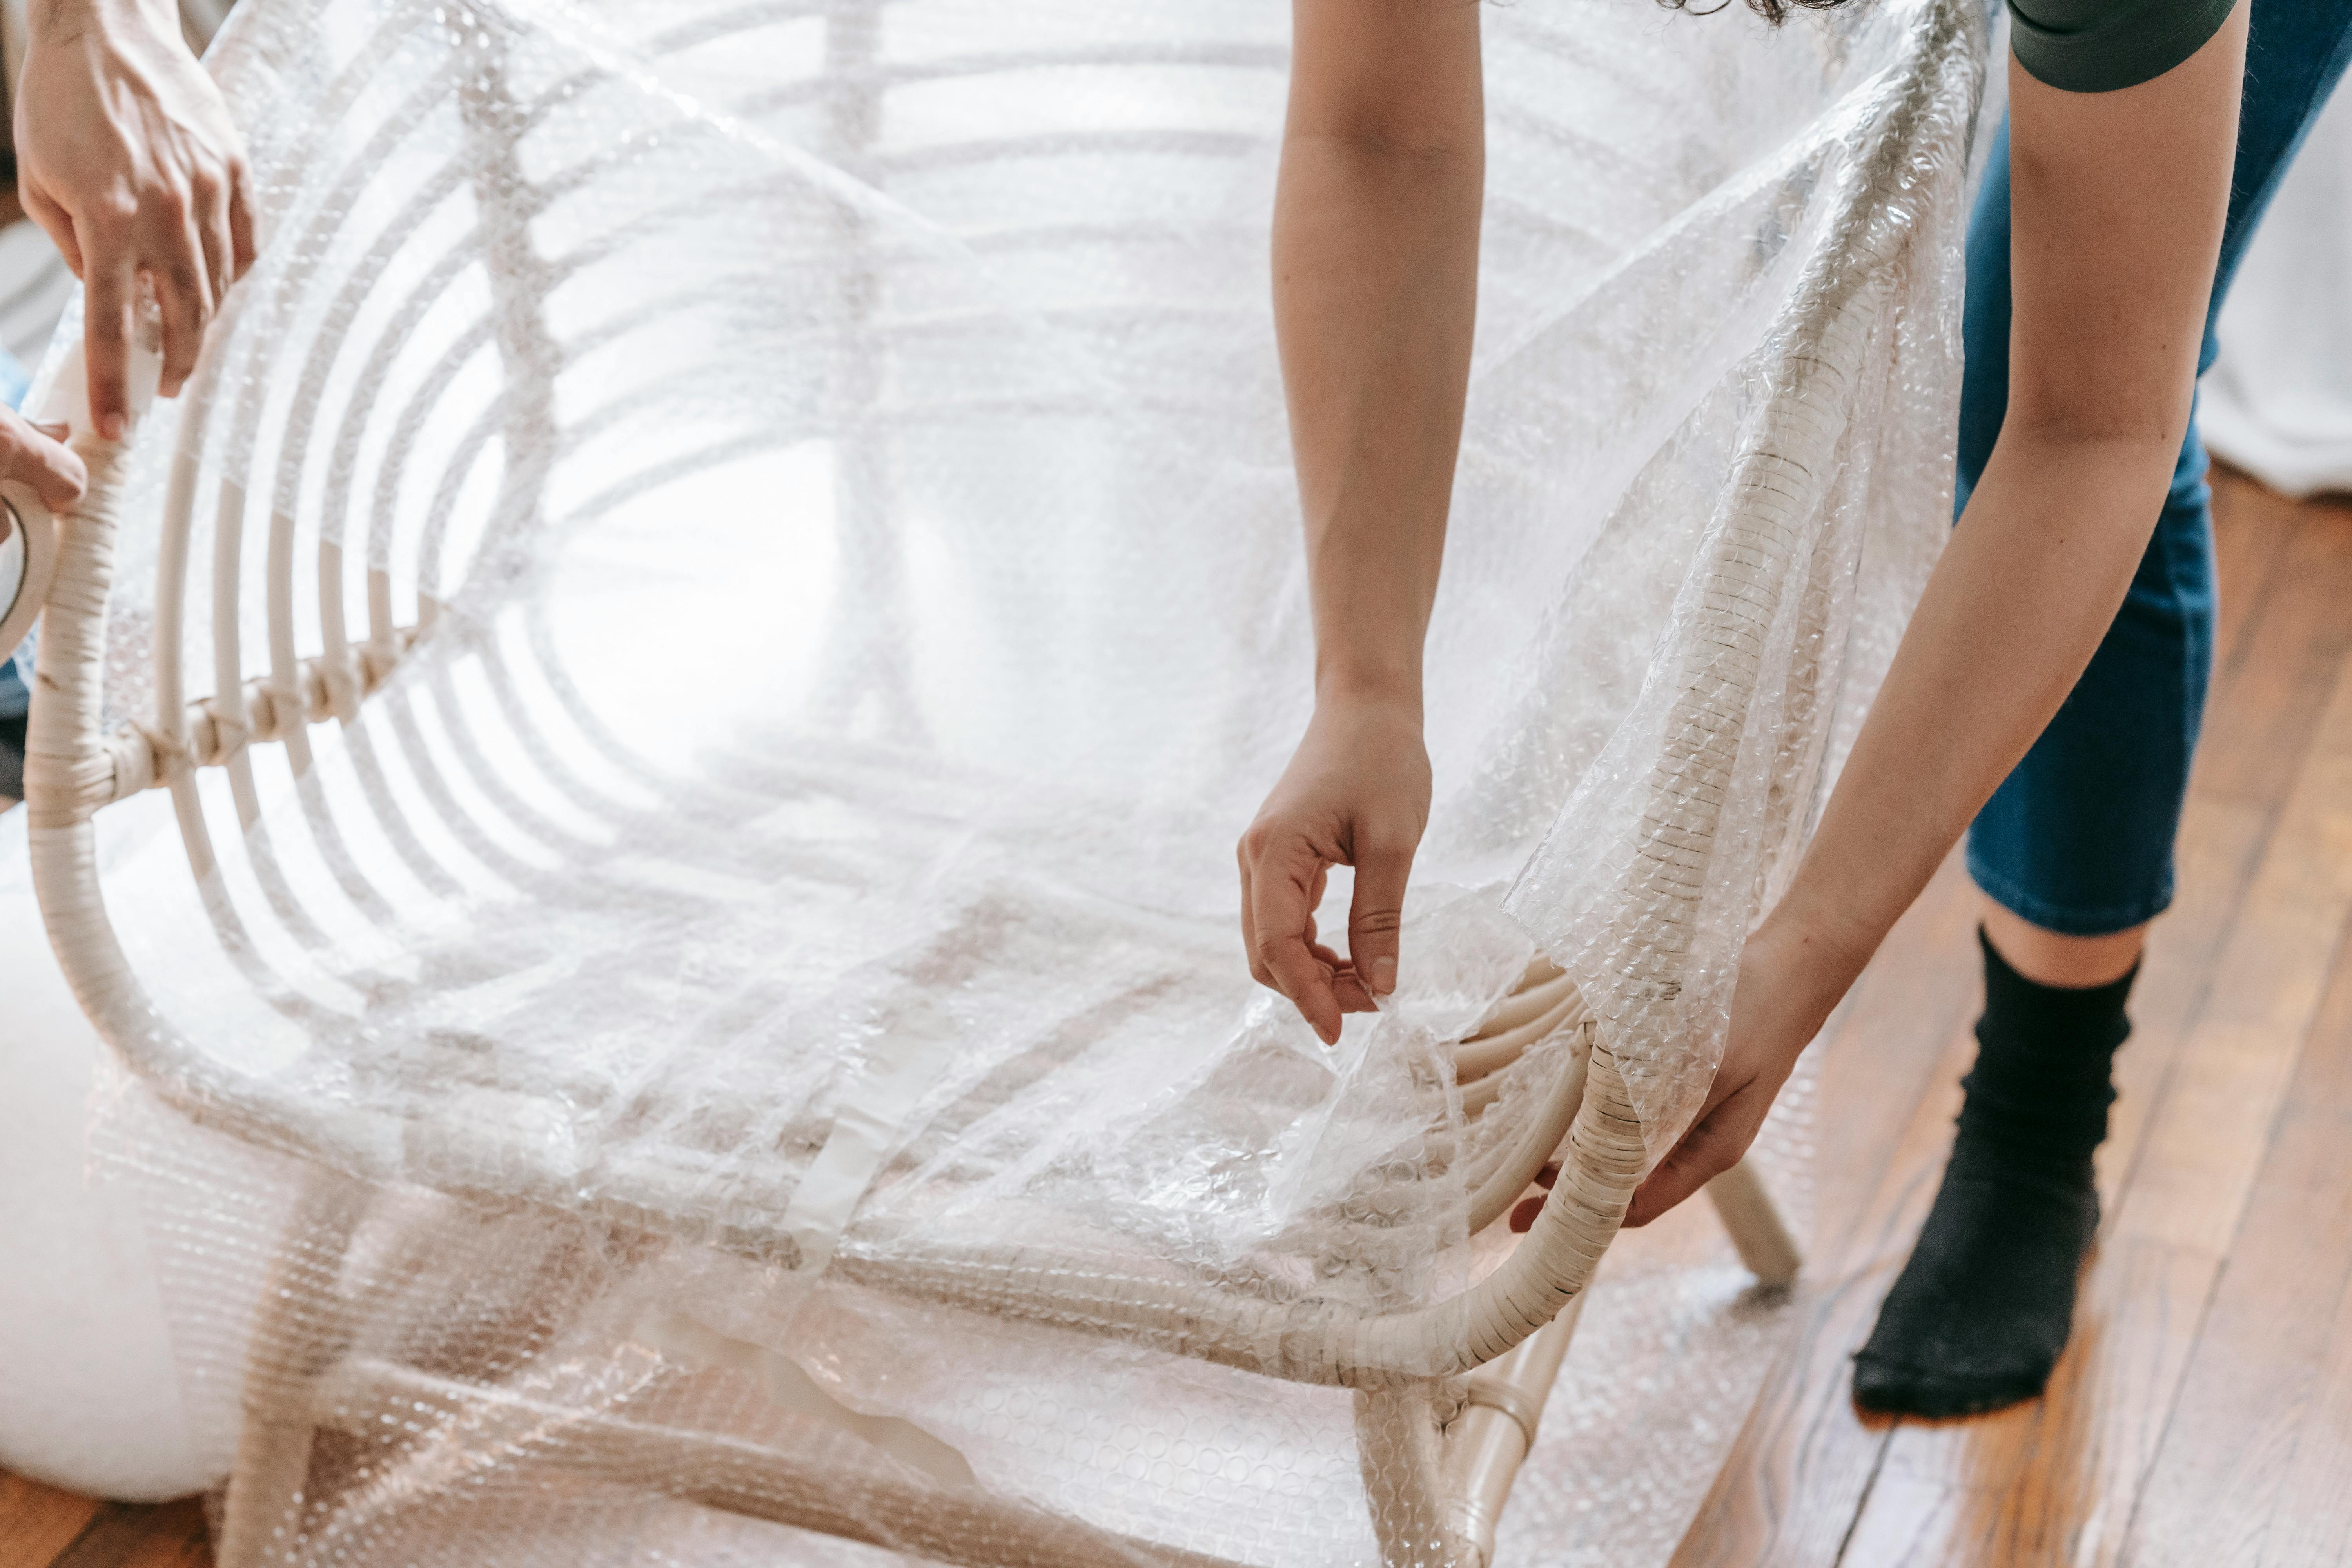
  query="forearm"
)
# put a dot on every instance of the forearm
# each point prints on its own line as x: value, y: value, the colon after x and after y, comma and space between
x: 1376, y: 257
x: 1375, y: 288
x: 2117, y: 204
x: 2024, y: 592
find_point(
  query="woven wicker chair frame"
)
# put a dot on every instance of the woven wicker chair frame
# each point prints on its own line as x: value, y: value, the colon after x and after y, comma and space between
x: 1507, y: 1334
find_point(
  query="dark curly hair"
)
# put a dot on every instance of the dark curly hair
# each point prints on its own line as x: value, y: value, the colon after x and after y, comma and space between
x: 1773, y: 11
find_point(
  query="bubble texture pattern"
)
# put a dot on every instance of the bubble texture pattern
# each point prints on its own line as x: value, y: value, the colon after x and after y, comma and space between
x: 744, y: 557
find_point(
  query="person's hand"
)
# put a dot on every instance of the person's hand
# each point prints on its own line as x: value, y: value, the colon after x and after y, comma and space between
x: 126, y: 155
x: 1789, y: 981
x: 36, y: 456
x: 1356, y: 794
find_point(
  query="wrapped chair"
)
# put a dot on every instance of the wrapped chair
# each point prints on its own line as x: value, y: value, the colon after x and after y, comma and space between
x: 705, y: 625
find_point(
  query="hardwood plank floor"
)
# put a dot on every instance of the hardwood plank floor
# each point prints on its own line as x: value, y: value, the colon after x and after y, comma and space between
x: 2203, y: 1412
x: 2231, y: 1484
x: 36, y: 1523
x: 43, y: 1528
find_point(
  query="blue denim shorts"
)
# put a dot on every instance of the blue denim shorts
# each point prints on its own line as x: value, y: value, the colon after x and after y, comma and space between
x: 2079, y: 837
x: 14, y: 700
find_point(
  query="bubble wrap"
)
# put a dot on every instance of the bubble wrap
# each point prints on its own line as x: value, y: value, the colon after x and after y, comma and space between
x: 801, y: 489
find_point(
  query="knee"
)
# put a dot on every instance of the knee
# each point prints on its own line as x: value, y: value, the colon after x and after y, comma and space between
x: 2050, y: 957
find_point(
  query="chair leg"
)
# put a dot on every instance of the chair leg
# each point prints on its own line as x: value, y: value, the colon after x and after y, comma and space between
x: 1402, y: 1455
x: 265, y: 1492
x: 1756, y: 1226
x: 293, y: 1338
x: 1494, y: 1434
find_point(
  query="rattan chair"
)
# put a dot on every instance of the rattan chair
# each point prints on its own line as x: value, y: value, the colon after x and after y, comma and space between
x: 291, y: 463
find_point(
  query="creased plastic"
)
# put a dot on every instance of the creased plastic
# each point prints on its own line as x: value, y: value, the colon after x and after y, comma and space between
x: 781, y: 513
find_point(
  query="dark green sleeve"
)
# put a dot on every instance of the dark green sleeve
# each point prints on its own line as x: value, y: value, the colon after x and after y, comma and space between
x: 2098, y: 45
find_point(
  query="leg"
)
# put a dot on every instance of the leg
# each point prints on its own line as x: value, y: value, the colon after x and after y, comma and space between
x: 1981, y: 1311
x: 2074, y: 850
x: 12, y: 708
x: 265, y: 1490
x: 1496, y: 1430
x: 292, y: 1342
x: 12, y: 759
x: 2053, y: 958
x: 1744, y: 1206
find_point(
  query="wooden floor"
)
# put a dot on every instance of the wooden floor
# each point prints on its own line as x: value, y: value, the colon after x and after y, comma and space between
x: 2203, y: 1414
x: 44, y: 1529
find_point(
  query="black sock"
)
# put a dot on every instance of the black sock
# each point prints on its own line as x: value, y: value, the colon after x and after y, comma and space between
x: 1978, y: 1315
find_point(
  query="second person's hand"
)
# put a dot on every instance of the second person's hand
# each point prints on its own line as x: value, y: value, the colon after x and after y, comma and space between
x: 36, y: 456
x: 1790, y: 978
x: 1356, y: 794
x: 126, y: 155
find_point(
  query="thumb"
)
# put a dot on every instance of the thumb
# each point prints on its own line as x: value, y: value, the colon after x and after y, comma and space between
x: 1377, y: 912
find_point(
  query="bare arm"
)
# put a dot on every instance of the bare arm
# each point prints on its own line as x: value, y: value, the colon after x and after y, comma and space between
x: 127, y: 157
x: 2118, y: 201
x: 1375, y: 286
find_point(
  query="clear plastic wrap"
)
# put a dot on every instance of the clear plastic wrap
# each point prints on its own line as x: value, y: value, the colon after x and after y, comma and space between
x: 789, y: 503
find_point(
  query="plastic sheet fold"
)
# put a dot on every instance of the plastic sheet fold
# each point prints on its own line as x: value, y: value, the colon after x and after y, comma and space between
x: 781, y: 510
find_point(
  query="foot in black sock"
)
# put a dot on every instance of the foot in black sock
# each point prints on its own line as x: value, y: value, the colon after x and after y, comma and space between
x: 1978, y: 1315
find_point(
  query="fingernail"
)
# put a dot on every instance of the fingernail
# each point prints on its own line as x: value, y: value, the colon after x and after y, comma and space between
x: 55, y: 429
x: 111, y: 426
x: 1384, y: 976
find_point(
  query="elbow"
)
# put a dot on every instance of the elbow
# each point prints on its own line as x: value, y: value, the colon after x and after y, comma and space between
x: 2134, y: 392
x: 2115, y: 433
x: 2109, y: 466
x: 2087, y: 457
x: 1371, y: 117
x: 1400, y: 138
x: 2110, y: 419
